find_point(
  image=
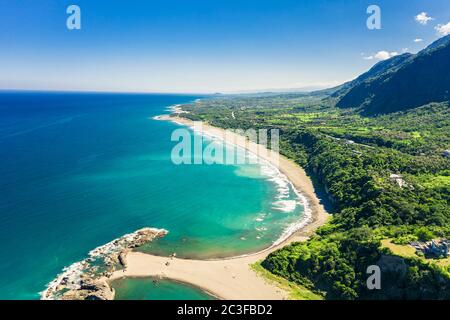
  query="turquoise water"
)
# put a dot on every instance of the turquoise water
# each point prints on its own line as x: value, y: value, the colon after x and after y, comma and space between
x: 160, y: 289
x: 79, y: 170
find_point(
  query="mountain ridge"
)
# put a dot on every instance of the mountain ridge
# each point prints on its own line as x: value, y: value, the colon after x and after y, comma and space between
x: 400, y: 83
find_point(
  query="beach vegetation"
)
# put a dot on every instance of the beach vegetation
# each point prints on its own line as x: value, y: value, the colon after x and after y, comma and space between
x: 294, y: 290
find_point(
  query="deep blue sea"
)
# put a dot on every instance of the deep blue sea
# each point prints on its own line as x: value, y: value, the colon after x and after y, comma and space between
x: 78, y: 170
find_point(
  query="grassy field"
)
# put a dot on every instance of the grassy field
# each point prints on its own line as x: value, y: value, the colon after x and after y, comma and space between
x: 438, y: 182
x: 296, y: 292
x: 408, y: 251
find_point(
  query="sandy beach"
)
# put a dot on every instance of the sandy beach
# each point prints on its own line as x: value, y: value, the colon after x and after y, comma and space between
x: 232, y: 278
x: 296, y: 175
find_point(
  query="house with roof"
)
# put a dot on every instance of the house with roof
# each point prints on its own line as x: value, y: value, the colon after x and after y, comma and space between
x: 436, y: 248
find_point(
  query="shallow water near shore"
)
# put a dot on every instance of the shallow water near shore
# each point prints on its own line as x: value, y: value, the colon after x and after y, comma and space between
x: 156, y: 289
x: 80, y: 170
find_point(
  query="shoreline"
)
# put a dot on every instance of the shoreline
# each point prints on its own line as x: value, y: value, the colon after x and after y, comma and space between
x: 232, y: 277
x: 203, y: 290
x: 80, y: 280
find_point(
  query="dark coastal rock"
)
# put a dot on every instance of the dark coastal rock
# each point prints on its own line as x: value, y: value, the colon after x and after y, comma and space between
x: 123, y: 258
x: 85, y: 281
x: 90, y: 290
x: 89, y: 284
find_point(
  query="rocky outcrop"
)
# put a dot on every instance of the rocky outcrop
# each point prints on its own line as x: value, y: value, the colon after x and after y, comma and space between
x: 123, y: 258
x: 90, y: 290
x: 84, y: 280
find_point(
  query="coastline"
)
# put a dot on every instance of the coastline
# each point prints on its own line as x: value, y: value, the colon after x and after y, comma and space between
x: 80, y: 280
x: 233, y: 278
x: 295, y: 174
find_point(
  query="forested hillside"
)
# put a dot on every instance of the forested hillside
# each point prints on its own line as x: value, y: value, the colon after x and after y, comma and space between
x: 352, y: 158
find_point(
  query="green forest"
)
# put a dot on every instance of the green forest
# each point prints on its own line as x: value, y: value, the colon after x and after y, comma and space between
x: 376, y: 149
x: 350, y: 158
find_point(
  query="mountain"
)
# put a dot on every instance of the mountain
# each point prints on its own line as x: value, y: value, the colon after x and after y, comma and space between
x: 400, y: 83
x: 376, y: 71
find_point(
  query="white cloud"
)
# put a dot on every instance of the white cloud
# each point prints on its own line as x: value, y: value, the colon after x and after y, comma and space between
x: 443, y: 29
x: 418, y: 40
x: 384, y: 55
x: 423, y: 18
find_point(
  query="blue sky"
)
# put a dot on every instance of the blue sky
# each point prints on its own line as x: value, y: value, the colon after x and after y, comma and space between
x: 204, y: 46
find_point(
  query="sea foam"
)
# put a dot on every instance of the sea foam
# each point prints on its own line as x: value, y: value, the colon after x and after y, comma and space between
x: 284, y: 186
x: 71, y: 276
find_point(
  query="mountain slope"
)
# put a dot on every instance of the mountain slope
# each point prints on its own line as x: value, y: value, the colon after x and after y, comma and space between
x: 377, y: 70
x: 402, y: 82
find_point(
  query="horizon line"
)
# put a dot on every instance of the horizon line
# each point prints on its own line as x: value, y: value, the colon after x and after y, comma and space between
x: 243, y: 92
x: 104, y: 91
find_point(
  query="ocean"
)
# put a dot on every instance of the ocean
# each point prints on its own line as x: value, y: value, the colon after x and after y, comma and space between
x: 81, y: 169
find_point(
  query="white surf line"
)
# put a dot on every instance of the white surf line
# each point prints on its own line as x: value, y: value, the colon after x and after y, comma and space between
x: 291, y: 229
x: 72, y: 274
